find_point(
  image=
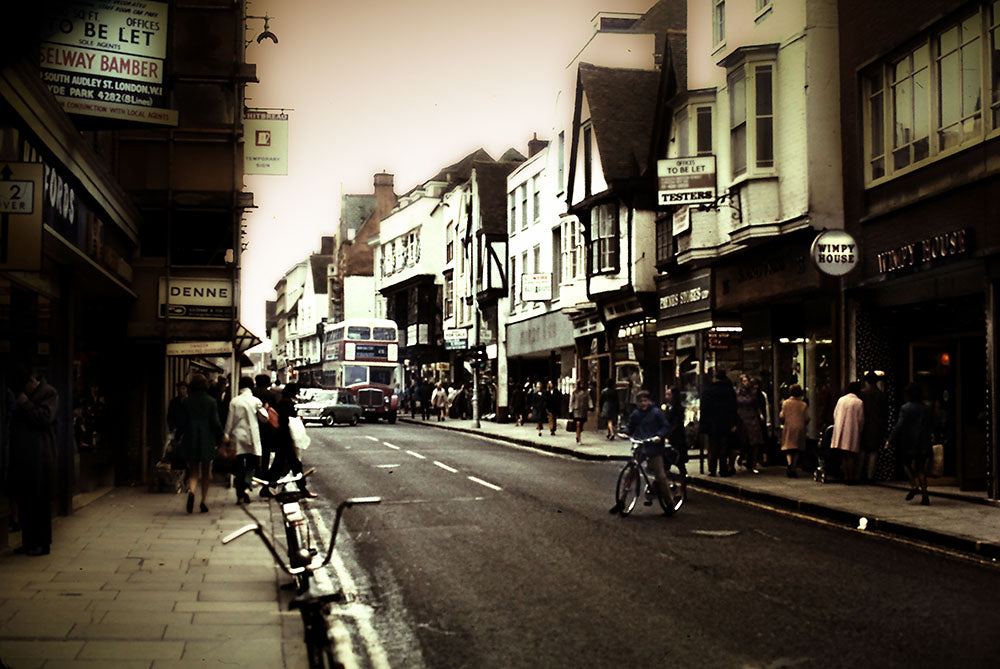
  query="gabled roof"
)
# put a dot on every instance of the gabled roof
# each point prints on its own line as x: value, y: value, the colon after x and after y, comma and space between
x: 622, y: 110
x: 461, y: 171
x: 318, y: 263
x: 491, y: 190
x: 355, y: 210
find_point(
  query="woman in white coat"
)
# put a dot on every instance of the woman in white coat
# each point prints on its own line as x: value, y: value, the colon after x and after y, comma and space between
x: 243, y: 432
x: 848, y: 419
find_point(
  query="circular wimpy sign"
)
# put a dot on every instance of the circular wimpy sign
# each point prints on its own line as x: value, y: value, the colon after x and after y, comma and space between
x: 835, y: 252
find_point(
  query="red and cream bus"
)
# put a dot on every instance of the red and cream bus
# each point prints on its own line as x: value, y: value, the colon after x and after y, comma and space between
x: 362, y: 355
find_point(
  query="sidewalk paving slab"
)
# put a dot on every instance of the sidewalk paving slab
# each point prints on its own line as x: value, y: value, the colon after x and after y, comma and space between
x: 955, y: 520
x: 133, y: 580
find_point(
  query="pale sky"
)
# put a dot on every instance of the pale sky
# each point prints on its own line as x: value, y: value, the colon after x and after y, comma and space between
x: 404, y: 86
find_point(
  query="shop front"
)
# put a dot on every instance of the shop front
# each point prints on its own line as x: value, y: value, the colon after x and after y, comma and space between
x: 540, y: 348
x: 920, y: 315
x: 693, y: 337
x: 788, y: 318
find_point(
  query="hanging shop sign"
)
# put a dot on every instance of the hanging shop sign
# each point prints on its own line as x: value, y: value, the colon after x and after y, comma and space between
x: 536, y: 287
x: 835, y: 252
x: 196, y: 299
x: 938, y: 247
x: 681, y: 221
x: 720, y: 340
x: 265, y: 142
x: 105, y: 58
x: 20, y: 216
x: 456, y: 339
x: 688, y: 180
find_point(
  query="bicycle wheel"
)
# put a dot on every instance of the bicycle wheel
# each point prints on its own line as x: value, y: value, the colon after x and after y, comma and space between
x: 627, y: 489
x: 678, y: 486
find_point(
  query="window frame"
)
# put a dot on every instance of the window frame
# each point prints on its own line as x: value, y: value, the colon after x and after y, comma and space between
x: 747, y: 70
x: 604, y: 238
x: 718, y: 22
x: 878, y: 168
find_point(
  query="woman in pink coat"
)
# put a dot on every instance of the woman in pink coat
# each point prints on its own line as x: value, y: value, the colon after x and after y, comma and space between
x: 848, y: 419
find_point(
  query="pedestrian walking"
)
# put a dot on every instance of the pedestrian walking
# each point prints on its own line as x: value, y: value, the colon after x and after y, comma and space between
x: 242, y: 432
x: 751, y: 427
x: 426, y: 390
x: 262, y: 391
x: 31, y: 467
x: 579, y: 406
x: 873, y: 431
x: 414, y: 399
x: 610, y: 407
x: 553, y: 404
x: 201, y: 432
x: 439, y: 401
x: 794, y: 415
x: 285, y: 457
x: 538, y: 401
x: 516, y: 393
x: 911, y: 438
x: 718, y: 421
x: 848, y: 422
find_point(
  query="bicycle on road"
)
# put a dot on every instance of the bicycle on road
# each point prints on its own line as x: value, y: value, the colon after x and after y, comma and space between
x: 304, y: 559
x: 635, y: 481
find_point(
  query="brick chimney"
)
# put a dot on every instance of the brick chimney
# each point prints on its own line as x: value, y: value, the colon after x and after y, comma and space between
x: 326, y: 246
x: 385, y: 196
x: 535, y: 145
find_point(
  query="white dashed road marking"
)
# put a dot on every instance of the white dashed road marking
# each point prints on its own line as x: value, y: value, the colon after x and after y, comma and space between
x: 371, y: 438
x: 387, y: 466
x: 485, y: 483
x: 445, y: 467
x: 392, y: 446
x: 417, y: 455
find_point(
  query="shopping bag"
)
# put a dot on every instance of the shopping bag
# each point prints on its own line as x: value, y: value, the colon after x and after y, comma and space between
x: 299, y: 436
x: 935, y: 468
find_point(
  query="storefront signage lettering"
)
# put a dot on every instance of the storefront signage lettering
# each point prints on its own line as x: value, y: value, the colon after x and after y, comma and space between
x: 59, y: 195
x: 689, y: 180
x: 684, y: 297
x: 835, y: 252
x: 105, y: 58
x: 196, y: 299
x: 937, y: 247
x: 456, y: 339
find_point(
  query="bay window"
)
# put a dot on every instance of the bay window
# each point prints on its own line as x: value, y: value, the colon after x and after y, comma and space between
x: 751, y: 117
x: 928, y: 100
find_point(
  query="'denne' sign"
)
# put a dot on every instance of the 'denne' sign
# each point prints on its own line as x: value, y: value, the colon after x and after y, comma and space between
x: 835, y: 252
x: 199, y: 299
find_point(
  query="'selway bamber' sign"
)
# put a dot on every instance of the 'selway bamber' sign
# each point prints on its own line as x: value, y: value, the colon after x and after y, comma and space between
x: 105, y: 58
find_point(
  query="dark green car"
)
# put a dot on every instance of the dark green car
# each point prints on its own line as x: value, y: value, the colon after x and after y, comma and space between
x: 329, y: 407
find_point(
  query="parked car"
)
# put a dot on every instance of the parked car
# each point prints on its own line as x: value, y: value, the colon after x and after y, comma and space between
x: 329, y: 407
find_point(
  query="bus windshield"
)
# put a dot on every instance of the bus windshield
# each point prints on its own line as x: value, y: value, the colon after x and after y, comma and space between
x: 384, y: 334
x: 355, y: 374
x: 382, y: 375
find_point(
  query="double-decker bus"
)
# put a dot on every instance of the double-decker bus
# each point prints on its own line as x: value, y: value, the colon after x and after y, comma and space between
x: 362, y: 355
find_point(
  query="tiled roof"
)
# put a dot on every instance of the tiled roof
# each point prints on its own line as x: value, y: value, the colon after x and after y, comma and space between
x: 491, y: 189
x: 461, y: 171
x: 354, y: 210
x: 622, y: 109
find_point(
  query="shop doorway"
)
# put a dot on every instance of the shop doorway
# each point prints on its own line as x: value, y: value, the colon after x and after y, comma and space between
x: 951, y: 373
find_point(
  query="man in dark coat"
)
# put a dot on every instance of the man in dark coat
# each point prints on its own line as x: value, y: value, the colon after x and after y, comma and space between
x: 426, y: 389
x: 268, y: 432
x: 33, y: 458
x: 873, y: 430
x: 718, y: 420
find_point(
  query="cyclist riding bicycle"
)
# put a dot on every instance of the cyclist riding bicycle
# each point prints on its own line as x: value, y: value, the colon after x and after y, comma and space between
x: 649, y: 422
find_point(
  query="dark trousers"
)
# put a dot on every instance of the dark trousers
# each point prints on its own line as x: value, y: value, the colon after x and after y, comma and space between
x: 285, y: 462
x: 246, y: 467
x: 35, y: 514
x: 717, y: 447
